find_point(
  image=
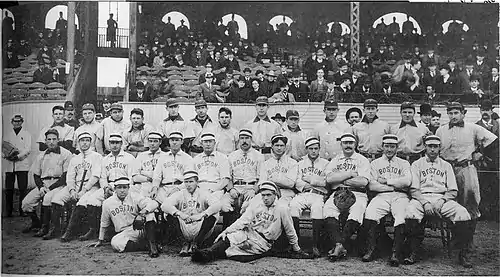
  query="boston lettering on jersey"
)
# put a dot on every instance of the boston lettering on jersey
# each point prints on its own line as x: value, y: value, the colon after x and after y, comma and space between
x: 173, y: 164
x: 122, y: 209
x: 313, y: 170
x: 433, y: 171
x: 116, y: 165
x: 277, y: 169
x: 243, y: 161
x: 345, y: 166
x: 265, y: 217
x: 191, y: 204
x: 389, y: 169
x: 207, y: 163
x: 150, y: 164
x: 83, y: 166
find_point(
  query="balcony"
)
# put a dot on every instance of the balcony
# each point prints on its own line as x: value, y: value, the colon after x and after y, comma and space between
x: 121, y: 38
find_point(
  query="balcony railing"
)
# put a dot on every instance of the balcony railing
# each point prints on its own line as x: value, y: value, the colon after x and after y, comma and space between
x: 121, y: 39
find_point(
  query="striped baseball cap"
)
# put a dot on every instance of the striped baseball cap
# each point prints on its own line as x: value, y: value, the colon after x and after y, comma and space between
x: 433, y: 139
x: 390, y: 139
x: 154, y: 135
x: 207, y: 136
x: 311, y: 141
x: 347, y: 137
x: 246, y: 132
x: 268, y: 185
x: 122, y: 181
x: 190, y: 174
x: 115, y: 137
x: 84, y: 135
x: 277, y: 137
x: 178, y: 135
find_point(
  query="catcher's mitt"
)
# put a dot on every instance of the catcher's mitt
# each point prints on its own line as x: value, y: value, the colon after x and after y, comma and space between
x: 139, y: 222
x: 344, y: 199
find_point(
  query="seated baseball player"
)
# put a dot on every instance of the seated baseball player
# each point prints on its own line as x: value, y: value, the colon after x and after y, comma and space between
x: 132, y: 217
x: 49, y: 171
x: 213, y: 170
x: 196, y: 211
x: 145, y: 165
x: 254, y: 233
x: 311, y: 176
x: 433, y: 191
x: 390, y: 180
x: 245, y: 164
x: 82, y: 181
x: 347, y: 176
x: 115, y: 165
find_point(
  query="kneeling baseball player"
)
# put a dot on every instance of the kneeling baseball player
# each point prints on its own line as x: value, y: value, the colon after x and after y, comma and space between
x: 196, y: 210
x: 133, y: 218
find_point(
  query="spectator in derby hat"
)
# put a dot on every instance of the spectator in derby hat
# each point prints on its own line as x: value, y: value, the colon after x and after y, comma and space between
x: 208, y: 91
x: 248, y: 79
x: 283, y: 95
x: 353, y: 115
x: 279, y: 118
x: 140, y: 94
x: 425, y: 114
x: 43, y: 74
x: 265, y: 57
x: 297, y: 88
x: 239, y: 93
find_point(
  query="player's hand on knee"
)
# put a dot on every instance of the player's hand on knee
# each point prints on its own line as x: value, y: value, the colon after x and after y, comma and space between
x: 196, y: 217
x: 43, y: 191
x: 438, y: 205
x: 428, y: 209
x: 183, y: 216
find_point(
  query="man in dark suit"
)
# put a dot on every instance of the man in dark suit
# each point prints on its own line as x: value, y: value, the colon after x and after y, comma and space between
x: 412, y: 89
x: 381, y: 55
x: 248, y: 79
x: 447, y: 86
x: 430, y: 96
x: 11, y: 60
x: 282, y: 76
x: 481, y: 65
x: 431, y: 75
x: 270, y: 86
x: 208, y: 91
x: 491, y: 84
x: 140, y: 94
x: 43, y: 74
x: 231, y: 62
x: 343, y: 70
x: 430, y: 57
x: 454, y: 70
x: 297, y: 88
x: 364, y: 92
x: 465, y: 75
x: 265, y: 56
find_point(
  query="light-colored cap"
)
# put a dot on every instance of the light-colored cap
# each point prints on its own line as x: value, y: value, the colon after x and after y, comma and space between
x: 115, y: 137
x: 207, y: 136
x: 311, y: 141
x: 390, y: 139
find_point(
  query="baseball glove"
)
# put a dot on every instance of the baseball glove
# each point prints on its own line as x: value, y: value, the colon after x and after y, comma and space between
x: 139, y: 222
x: 344, y: 199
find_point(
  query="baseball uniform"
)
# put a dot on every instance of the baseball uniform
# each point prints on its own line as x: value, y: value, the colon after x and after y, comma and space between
x: 169, y: 173
x: 295, y: 146
x: 411, y: 139
x: 369, y: 136
x: 137, y: 136
x: 212, y: 170
x: 109, y: 126
x: 226, y: 139
x: 66, y: 133
x: 145, y: 164
x: 198, y: 129
x: 262, y: 131
x: 328, y: 132
x: 177, y: 124
x: 94, y: 129
x: 122, y: 214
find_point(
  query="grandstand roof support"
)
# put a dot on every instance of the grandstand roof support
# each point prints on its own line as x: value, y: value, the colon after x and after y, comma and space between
x: 132, y: 50
x: 70, y: 53
x: 354, y: 31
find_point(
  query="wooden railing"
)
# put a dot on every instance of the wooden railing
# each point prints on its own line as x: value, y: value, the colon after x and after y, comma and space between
x: 121, y: 38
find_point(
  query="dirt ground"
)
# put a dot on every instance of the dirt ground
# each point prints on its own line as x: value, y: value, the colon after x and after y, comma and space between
x: 24, y: 254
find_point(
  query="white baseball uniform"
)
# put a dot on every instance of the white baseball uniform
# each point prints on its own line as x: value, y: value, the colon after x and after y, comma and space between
x: 170, y: 168
x: 94, y: 129
x: 283, y: 172
x: 328, y: 132
x: 145, y: 164
x: 109, y: 126
x: 226, y: 139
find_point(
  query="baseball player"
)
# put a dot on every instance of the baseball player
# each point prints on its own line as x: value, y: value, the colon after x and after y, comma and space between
x: 202, y: 124
x: 347, y: 176
x: 115, y: 124
x: 245, y: 165
x: 196, y: 211
x: 82, y: 181
x: 49, y: 171
x: 329, y: 130
x: 462, y: 144
x: 262, y: 127
x: 175, y: 123
x: 16, y: 164
x: 312, y: 178
x: 390, y: 180
x: 296, y: 136
x: 253, y: 234
x: 126, y: 210
x: 370, y: 130
x: 433, y: 191
x: 115, y: 165
x: 145, y: 164
x: 411, y: 134
x: 226, y: 136
x: 91, y: 126
x: 66, y: 132
x: 135, y: 139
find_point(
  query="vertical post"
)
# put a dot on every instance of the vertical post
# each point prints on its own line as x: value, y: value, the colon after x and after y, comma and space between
x: 132, y: 49
x: 87, y: 27
x: 70, y: 53
x: 354, y: 31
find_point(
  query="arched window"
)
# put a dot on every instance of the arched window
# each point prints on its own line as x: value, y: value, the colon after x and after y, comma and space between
x: 4, y: 11
x: 120, y: 11
x: 400, y: 19
x: 175, y: 18
x: 53, y: 15
x: 446, y: 25
x: 278, y: 20
x: 242, y: 24
x: 345, y: 28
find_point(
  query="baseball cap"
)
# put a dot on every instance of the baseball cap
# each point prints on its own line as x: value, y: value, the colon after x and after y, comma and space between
x: 68, y: 105
x: 115, y: 137
x: 18, y: 117
x: 98, y: 116
x: 171, y: 102
x: 454, y: 105
x: 486, y: 105
x: 262, y: 100
x: 268, y: 185
x: 435, y: 114
x: 178, y: 135
x: 330, y: 103
x: 88, y: 106
x: 137, y: 111
x: 241, y: 78
x: 84, y: 135
x: 407, y: 105
x: 370, y: 103
x: 292, y: 114
x: 52, y: 131
x: 154, y: 135
x: 190, y: 174
x: 347, y: 137
x: 200, y: 103
x: 116, y: 106
x: 311, y: 141
x: 246, y: 132
x: 432, y: 139
x: 277, y: 137
x: 122, y: 181
x: 390, y: 139
x: 207, y: 136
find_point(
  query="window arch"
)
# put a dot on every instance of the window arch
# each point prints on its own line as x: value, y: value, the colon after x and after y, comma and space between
x: 53, y: 15
x: 242, y: 24
x: 345, y: 28
x: 278, y: 19
x: 446, y: 25
x: 175, y: 18
x: 400, y: 19
x: 11, y: 15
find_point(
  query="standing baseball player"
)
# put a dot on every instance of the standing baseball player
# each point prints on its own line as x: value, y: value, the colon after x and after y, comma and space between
x: 115, y: 124
x: 202, y: 124
x: 411, y: 134
x: 175, y: 123
x: 245, y: 163
x: 16, y: 163
x: 347, y: 177
x: 370, y: 130
x: 49, y: 171
x: 461, y: 145
x: 296, y: 136
x: 226, y: 136
x: 329, y: 130
x: 132, y: 217
x: 433, y: 191
x: 196, y: 211
x: 145, y: 164
x: 115, y: 165
x: 253, y: 234
x: 312, y: 178
x: 91, y: 126
x: 66, y: 132
x: 82, y: 181
x: 135, y: 139
x: 390, y: 180
x: 262, y: 127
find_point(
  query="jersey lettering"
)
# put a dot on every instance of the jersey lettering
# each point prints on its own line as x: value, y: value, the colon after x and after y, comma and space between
x: 389, y: 169
x: 243, y: 161
x: 114, y: 165
x: 122, y: 209
x: 432, y: 171
x: 313, y: 170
